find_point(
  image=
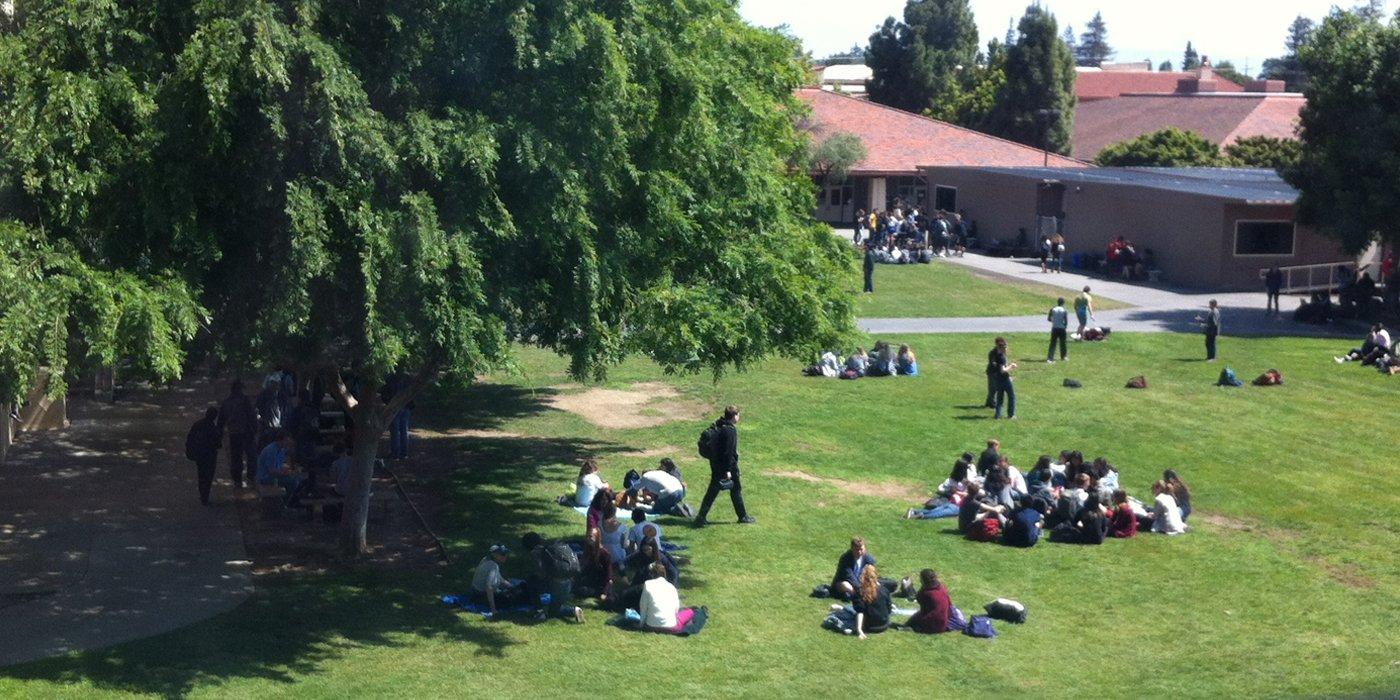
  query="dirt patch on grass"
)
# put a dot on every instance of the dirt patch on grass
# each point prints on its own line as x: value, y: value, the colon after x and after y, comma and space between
x: 651, y: 453
x: 459, y: 433
x: 1349, y: 575
x: 1232, y: 524
x: 892, y: 490
x: 644, y: 405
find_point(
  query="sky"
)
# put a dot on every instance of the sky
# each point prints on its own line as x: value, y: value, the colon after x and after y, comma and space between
x: 1242, y: 31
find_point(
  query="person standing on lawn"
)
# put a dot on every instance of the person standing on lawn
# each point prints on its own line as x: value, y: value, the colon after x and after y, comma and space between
x: 999, y: 368
x: 202, y: 447
x: 1084, y: 309
x: 724, y: 467
x: 1059, y: 330
x: 869, y: 268
x: 1211, y: 323
x: 1273, y: 284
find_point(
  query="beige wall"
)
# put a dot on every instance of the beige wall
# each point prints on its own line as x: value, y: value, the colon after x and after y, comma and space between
x: 1192, y: 236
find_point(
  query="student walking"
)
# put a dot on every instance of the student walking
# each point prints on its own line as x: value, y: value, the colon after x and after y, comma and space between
x: 202, y: 447
x: 1059, y: 330
x: 1273, y: 284
x: 238, y: 420
x: 723, y: 453
x: 1057, y: 253
x: 1083, y: 309
x: 1211, y: 322
x: 1000, y: 368
x: 869, y: 268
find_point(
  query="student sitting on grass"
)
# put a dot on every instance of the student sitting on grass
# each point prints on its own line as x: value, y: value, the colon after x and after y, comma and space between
x: 1122, y: 522
x: 1089, y: 526
x: 989, y: 456
x: 660, y: 604
x: 1024, y: 525
x: 1041, y: 478
x: 614, y: 533
x: 596, y: 576
x: 1179, y: 492
x: 641, y: 530
x: 849, y: 568
x: 665, y: 487
x: 1166, y: 514
x: 588, y: 483
x: 947, y: 498
x: 858, y: 362
x: 1372, y: 349
x: 869, y: 612
x: 489, y: 588
x: 934, y: 606
x: 882, y: 363
x: 970, y: 509
x: 601, y: 500
x: 1014, y: 478
x: 637, y: 568
x: 906, y: 364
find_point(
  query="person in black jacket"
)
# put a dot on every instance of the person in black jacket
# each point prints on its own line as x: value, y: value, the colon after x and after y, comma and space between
x: 724, y: 466
x: 202, y: 446
x: 869, y: 268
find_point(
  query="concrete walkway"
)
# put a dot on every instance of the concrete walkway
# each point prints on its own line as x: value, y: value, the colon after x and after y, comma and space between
x: 1156, y: 309
x: 102, y: 538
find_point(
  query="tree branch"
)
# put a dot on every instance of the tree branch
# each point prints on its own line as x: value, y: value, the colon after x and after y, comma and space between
x: 331, y: 377
x: 407, y: 392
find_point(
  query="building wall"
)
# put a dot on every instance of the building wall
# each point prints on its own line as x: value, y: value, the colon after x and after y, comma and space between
x: 1192, y: 236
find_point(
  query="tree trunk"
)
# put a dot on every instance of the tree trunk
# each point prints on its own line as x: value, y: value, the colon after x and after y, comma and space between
x: 369, y: 428
x: 7, y: 432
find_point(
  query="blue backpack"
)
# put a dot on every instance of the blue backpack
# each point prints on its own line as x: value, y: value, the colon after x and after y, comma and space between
x: 980, y: 626
x: 1228, y: 378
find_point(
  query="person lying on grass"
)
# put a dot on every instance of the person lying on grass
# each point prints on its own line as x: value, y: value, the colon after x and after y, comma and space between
x: 1372, y: 350
x: 948, y: 496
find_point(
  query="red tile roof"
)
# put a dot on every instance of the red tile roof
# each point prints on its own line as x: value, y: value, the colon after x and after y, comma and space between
x: 898, y: 142
x: 1099, y: 85
x: 1223, y: 119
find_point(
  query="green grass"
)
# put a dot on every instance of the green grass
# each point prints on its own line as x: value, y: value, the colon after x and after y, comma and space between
x: 1288, y: 585
x: 946, y: 290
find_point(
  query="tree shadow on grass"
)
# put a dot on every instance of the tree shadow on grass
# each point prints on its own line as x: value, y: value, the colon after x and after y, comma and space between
x: 482, y: 406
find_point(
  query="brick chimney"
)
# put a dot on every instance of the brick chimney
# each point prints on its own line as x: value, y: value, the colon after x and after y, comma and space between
x: 1203, y: 80
x: 1266, y: 86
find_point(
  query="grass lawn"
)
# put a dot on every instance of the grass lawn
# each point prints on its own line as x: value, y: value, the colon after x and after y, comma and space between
x: 1288, y: 585
x: 945, y: 289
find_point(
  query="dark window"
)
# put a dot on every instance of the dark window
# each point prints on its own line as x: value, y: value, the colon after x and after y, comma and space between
x: 945, y: 198
x: 1263, y: 238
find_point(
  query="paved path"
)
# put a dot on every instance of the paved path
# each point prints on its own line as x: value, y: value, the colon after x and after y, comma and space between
x: 1156, y: 309
x: 102, y: 538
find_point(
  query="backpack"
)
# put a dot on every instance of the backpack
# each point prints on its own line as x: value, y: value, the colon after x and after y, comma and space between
x: 1007, y: 610
x: 1269, y: 378
x: 986, y: 530
x: 1228, y: 378
x: 562, y: 560
x: 706, y: 444
x: 189, y: 444
x: 980, y: 626
x: 1073, y: 384
x: 1138, y: 382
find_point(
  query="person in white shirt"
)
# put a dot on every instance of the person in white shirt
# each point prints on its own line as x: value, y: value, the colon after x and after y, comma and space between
x: 661, y: 602
x: 1372, y: 349
x: 1166, y: 515
x: 488, y: 586
x: 589, y: 483
x: 1059, y: 329
x: 665, y: 486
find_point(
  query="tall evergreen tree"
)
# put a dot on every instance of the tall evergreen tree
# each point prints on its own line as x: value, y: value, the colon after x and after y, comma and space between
x: 1071, y: 40
x: 1165, y: 67
x: 1036, y: 104
x: 918, y: 57
x: 1347, y: 177
x: 1093, y: 47
x: 1190, y: 60
x: 1287, y: 67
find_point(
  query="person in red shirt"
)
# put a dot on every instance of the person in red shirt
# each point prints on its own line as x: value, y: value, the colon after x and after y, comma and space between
x: 1122, y: 522
x: 934, y: 606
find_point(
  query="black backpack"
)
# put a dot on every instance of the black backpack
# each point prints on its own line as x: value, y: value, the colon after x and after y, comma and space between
x: 706, y: 444
x: 562, y: 560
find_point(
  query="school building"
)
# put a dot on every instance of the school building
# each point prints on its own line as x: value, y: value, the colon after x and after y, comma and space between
x: 1208, y: 228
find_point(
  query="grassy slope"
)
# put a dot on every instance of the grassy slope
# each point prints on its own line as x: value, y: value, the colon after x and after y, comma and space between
x: 1301, y: 602
x: 948, y: 290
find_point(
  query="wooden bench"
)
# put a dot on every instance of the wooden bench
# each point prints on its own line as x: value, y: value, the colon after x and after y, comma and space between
x: 317, y: 505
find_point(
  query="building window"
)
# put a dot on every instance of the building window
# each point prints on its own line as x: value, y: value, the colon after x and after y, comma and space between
x: 1264, y: 237
x: 945, y: 198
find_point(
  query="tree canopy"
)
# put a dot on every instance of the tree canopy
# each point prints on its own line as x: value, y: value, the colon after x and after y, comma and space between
x: 913, y: 60
x: 1035, y: 105
x: 1264, y: 152
x: 1190, y: 60
x: 833, y: 158
x: 1169, y: 147
x: 1287, y: 67
x: 408, y: 187
x: 1093, y: 48
x: 1348, y: 176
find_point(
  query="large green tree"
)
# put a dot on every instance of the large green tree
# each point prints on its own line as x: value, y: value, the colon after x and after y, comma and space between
x: 1348, y: 174
x: 1190, y: 60
x: 1287, y: 67
x: 969, y: 100
x: 390, y: 187
x: 83, y: 282
x: 1035, y: 105
x: 1264, y: 152
x: 1168, y: 148
x: 1093, y: 48
x: 915, y: 59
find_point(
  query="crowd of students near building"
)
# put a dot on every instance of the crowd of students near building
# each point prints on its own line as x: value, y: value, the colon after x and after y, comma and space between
x: 1076, y: 501
x: 903, y: 234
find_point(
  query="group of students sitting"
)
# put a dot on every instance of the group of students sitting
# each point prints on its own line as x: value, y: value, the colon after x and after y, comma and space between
x: 1077, y: 502
x: 1376, y: 351
x: 903, y: 234
x: 882, y: 361
x: 627, y: 567
x: 869, y: 598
